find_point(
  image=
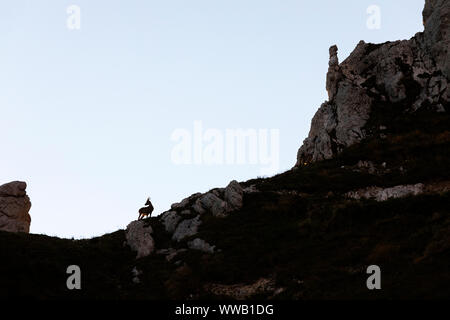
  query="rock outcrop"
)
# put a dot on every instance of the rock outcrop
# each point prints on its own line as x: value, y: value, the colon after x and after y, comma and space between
x: 220, y: 202
x: 183, y: 219
x: 14, y: 207
x: 187, y: 228
x: 201, y: 245
x: 407, y: 76
x: 139, y: 237
x: 243, y: 291
x: 210, y: 202
x: 170, y: 220
x: 383, y: 194
x: 233, y: 195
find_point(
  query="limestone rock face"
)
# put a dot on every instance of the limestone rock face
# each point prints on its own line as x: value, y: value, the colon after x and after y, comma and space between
x: 212, y: 203
x: 233, y: 195
x: 334, y: 74
x: 383, y: 194
x: 219, y: 202
x: 201, y: 245
x: 436, y: 19
x: 242, y: 291
x: 170, y: 220
x: 187, y: 228
x: 185, y: 217
x: 408, y: 75
x: 139, y: 237
x: 14, y: 207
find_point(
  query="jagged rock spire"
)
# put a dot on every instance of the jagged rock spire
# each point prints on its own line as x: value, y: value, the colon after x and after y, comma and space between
x: 334, y: 73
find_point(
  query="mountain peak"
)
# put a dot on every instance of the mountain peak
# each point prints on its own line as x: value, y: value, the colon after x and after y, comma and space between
x: 408, y: 76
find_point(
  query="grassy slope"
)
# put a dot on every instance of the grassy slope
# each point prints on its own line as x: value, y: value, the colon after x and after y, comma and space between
x: 316, y: 245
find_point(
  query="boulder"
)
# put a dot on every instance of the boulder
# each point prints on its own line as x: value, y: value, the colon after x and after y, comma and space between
x: 251, y: 189
x: 13, y: 189
x: 383, y: 194
x: 214, y: 204
x: 210, y: 202
x: 233, y: 195
x: 198, y: 207
x: 185, y: 202
x: 14, y: 207
x: 139, y: 237
x: 187, y: 228
x: 201, y: 245
x: 180, y: 205
x: 170, y: 220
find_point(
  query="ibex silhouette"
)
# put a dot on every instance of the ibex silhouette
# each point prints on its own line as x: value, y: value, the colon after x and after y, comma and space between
x: 146, y: 211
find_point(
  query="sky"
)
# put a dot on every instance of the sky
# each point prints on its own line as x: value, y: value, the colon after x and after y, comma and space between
x: 102, y: 107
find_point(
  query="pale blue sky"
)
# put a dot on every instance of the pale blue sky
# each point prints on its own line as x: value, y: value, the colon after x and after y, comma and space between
x: 86, y: 115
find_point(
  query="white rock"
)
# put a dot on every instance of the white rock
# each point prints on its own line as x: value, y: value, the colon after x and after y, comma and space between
x: 213, y: 203
x: 233, y: 195
x: 201, y: 245
x: 383, y: 194
x: 209, y: 202
x: 138, y: 237
x: 187, y: 228
x: 170, y: 220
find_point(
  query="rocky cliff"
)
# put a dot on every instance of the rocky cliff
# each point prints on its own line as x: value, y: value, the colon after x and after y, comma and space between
x: 14, y: 207
x: 393, y: 78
